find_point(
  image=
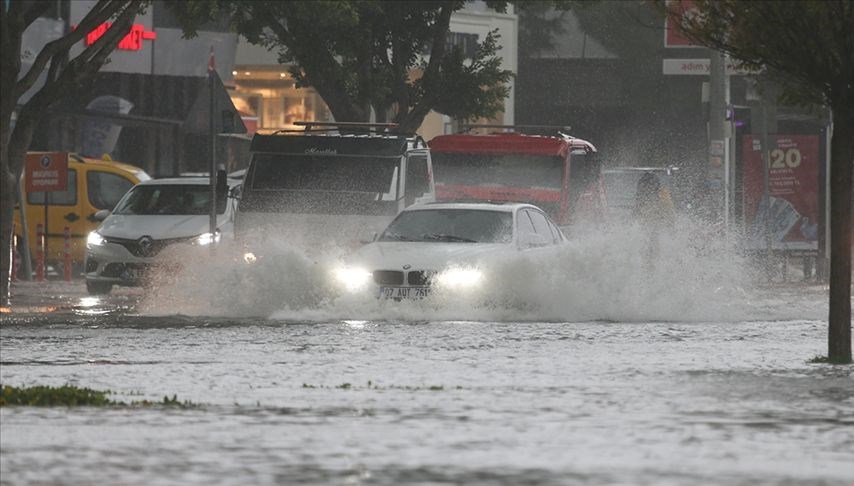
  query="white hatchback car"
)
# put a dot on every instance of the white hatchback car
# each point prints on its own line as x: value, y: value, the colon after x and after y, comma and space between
x: 152, y: 216
x: 445, y: 245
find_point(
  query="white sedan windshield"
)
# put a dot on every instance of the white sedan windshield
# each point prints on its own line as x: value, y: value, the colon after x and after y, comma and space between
x: 451, y: 226
x: 174, y: 199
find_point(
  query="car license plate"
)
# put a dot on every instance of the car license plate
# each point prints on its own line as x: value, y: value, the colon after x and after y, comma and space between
x: 404, y: 292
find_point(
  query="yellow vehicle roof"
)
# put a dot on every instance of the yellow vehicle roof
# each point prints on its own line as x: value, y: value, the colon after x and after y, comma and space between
x: 136, y: 171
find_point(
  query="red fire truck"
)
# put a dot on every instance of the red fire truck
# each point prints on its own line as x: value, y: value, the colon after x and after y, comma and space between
x: 559, y: 173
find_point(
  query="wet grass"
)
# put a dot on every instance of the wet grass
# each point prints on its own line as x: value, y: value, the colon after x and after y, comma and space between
x: 818, y: 359
x: 73, y: 396
x: 371, y: 386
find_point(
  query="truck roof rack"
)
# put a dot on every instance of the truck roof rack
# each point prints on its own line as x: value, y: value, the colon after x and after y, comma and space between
x: 327, y: 126
x: 561, y: 129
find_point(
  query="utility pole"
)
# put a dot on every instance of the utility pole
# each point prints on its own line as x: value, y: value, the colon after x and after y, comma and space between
x: 718, y: 170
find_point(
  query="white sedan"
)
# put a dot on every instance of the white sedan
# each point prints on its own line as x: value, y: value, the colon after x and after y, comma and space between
x: 445, y: 247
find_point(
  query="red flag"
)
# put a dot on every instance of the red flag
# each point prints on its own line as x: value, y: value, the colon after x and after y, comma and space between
x: 212, y: 61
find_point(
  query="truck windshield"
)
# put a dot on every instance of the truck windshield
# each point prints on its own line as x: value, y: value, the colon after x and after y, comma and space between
x: 169, y: 199
x: 514, y: 170
x: 451, y: 226
x: 326, y: 184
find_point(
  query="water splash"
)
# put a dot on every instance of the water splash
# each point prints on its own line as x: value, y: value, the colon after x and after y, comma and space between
x: 621, y: 273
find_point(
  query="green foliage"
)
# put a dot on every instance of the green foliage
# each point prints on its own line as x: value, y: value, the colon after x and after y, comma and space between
x: 826, y: 360
x: 48, y: 396
x: 73, y: 396
x: 358, y: 55
x: 371, y: 386
x: 805, y: 45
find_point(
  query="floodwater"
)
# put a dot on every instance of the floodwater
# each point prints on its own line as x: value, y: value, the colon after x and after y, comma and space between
x: 694, y: 379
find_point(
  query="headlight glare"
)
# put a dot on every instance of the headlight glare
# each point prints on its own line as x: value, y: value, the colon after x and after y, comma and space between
x: 459, y: 278
x: 352, y: 278
x: 249, y: 258
x: 95, y: 239
x: 207, y: 238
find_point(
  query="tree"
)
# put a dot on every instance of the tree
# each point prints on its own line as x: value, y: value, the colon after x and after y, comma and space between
x: 62, y: 76
x: 808, y: 47
x: 363, y: 55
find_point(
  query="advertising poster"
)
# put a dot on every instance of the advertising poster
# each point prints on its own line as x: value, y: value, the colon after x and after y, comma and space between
x: 790, y: 215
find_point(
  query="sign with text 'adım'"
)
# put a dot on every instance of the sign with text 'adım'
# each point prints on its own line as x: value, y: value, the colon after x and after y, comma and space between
x: 46, y: 171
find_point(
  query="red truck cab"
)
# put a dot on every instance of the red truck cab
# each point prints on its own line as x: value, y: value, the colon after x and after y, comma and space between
x: 559, y: 173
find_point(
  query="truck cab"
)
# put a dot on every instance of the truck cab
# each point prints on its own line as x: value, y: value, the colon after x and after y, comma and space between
x: 331, y: 185
x: 559, y: 173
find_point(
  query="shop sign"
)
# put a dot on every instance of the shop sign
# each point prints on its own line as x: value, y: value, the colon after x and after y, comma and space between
x: 131, y: 42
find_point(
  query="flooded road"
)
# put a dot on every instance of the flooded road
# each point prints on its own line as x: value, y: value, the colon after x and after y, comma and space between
x: 287, y: 399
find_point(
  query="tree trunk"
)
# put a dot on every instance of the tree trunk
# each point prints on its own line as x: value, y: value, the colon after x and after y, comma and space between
x: 839, y: 319
x: 7, y: 209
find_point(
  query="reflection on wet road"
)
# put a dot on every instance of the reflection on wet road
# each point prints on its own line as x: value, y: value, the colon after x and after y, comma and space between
x: 390, y: 401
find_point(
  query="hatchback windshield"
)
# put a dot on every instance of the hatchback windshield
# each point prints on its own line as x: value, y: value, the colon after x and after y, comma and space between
x: 451, y: 226
x: 174, y: 199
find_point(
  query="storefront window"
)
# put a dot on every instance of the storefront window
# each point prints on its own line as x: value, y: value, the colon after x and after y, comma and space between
x: 269, y: 98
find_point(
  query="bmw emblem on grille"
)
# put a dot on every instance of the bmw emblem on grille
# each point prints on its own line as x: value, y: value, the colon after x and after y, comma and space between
x: 407, y: 266
x: 145, y: 244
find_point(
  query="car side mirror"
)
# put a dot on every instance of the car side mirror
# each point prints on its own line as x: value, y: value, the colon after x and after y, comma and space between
x: 101, y: 214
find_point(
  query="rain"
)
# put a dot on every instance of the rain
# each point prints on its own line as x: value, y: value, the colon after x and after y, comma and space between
x: 424, y: 243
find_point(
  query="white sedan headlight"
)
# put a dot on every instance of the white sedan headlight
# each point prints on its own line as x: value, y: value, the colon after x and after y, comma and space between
x: 459, y: 278
x: 352, y: 278
x: 95, y: 239
x: 205, y: 239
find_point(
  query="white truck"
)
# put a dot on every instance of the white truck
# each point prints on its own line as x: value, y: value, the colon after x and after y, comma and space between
x: 320, y: 187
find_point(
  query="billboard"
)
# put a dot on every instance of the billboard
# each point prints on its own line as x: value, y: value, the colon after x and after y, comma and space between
x: 790, y: 214
x: 677, y: 10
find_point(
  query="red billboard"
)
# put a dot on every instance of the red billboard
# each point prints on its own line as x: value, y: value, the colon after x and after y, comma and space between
x: 46, y: 171
x: 676, y: 10
x: 790, y: 214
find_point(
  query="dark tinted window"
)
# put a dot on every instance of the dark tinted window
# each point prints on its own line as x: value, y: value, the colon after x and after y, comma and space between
x: 507, y: 170
x: 171, y: 199
x: 584, y: 171
x: 106, y: 189
x: 417, y: 177
x: 325, y: 173
x: 451, y: 226
x: 541, y: 225
x: 524, y: 227
x: 68, y: 197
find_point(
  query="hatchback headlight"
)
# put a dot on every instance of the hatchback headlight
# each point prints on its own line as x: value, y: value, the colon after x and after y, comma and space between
x: 95, y: 239
x: 352, y: 278
x: 459, y: 278
x: 205, y: 239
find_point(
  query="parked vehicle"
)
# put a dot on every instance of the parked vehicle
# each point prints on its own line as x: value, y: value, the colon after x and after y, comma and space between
x: 317, y: 189
x: 558, y: 173
x: 448, y: 246
x: 93, y: 185
x: 153, y: 216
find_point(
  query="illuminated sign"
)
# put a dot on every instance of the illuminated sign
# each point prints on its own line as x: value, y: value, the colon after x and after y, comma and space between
x: 130, y: 42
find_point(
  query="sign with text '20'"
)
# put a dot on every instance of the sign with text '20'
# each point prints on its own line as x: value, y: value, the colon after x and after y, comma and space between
x: 46, y: 171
